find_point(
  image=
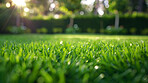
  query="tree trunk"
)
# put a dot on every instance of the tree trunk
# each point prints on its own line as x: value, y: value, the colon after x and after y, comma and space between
x: 117, y: 20
x: 71, y: 22
x: 18, y: 20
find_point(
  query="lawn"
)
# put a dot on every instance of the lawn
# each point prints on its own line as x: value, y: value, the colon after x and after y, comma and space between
x: 73, y: 58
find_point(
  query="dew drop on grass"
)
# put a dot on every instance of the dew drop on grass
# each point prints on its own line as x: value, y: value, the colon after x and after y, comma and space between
x: 61, y: 42
x: 98, y: 60
x: 130, y: 44
x: 69, y: 62
x: 69, y: 52
x: 96, y: 67
x: 111, y: 45
x: 101, y: 76
x: 142, y: 41
x: 77, y: 63
x: 115, y: 52
x: 145, y: 78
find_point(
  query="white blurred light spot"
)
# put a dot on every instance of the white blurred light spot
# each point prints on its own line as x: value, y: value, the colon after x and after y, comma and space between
x: 101, y: 76
x: 88, y: 2
x: 106, y: 3
x: 100, y: 11
x: 52, y: 5
x: 61, y: 42
x: 26, y: 9
x: 56, y: 16
x: 130, y: 44
x: 7, y: 5
x: 69, y: 62
x: 96, y: 67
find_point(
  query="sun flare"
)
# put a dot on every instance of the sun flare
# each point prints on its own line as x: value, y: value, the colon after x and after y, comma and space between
x: 19, y: 2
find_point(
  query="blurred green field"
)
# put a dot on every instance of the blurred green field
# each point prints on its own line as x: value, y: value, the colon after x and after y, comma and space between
x: 73, y: 58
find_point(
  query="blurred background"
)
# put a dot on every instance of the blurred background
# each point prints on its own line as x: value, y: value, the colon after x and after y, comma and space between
x: 129, y: 17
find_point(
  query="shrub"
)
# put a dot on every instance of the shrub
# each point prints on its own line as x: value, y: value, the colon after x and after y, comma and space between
x: 57, y: 30
x: 15, y: 29
x: 42, y: 30
x: 90, y: 30
x: 70, y: 30
x: 28, y: 30
x: 74, y: 29
x: 115, y: 31
x: 95, y: 23
x: 133, y: 30
x: 144, y: 31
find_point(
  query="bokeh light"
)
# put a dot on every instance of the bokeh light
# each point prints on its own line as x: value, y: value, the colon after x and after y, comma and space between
x: 8, y: 5
x: 100, y: 11
x: 26, y: 9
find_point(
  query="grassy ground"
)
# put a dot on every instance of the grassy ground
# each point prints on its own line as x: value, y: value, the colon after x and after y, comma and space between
x: 73, y: 58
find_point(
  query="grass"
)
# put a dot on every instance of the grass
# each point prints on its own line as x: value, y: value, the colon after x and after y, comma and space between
x: 73, y: 58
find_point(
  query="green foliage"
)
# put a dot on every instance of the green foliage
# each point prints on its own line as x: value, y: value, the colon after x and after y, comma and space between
x: 71, y: 5
x: 119, y: 5
x: 136, y: 20
x: 42, y: 30
x: 70, y: 30
x: 89, y: 30
x: 133, y: 30
x: 57, y: 30
x: 7, y: 16
x: 14, y: 29
x: 144, y: 31
x: 28, y: 30
x: 18, y: 30
x: 73, y: 58
x: 74, y: 29
x: 94, y: 23
x: 115, y: 31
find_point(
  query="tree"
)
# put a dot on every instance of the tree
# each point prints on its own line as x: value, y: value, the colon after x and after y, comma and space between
x: 72, y: 6
x: 118, y: 6
x: 39, y: 6
x: 121, y: 6
x: 138, y: 5
x: 2, y: 1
